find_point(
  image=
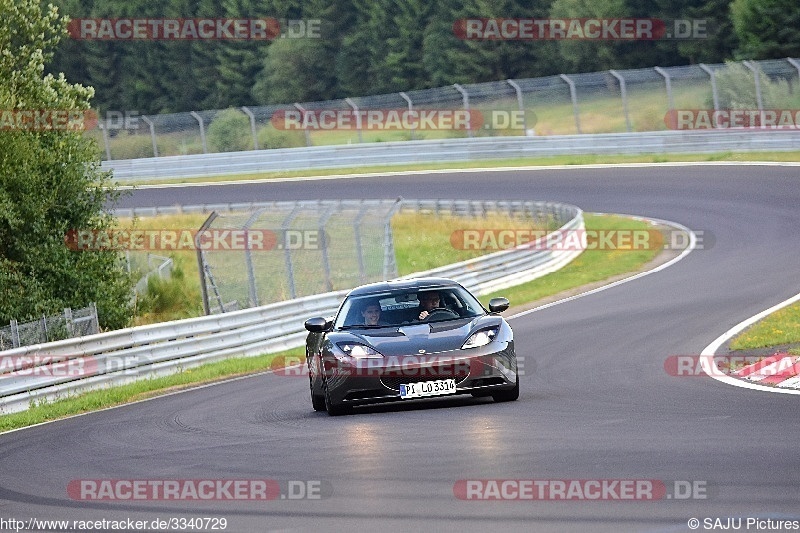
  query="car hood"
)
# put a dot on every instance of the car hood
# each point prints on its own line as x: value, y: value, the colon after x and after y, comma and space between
x: 431, y: 337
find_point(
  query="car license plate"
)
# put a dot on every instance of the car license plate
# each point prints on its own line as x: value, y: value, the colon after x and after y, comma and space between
x: 428, y: 388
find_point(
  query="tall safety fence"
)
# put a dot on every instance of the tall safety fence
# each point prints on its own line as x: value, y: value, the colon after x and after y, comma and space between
x: 72, y: 323
x: 635, y: 100
x: 291, y: 250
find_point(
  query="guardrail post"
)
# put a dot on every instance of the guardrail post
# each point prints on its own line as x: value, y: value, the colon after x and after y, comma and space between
x: 465, y: 100
x: 252, y: 125
x: 520, y: 105
x: 152, y: 134
x: 713, y: 77
x: 405, y: 97
x: 305, y: 129
x: 573, y: 94
x: 668, y: 83
x: 757, y: 78
x: 199, y: 120
x: 624, y: 93
x: 358, y: 118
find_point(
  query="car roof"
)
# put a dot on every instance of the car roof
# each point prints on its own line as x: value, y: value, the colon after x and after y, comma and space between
x: 403, y: 284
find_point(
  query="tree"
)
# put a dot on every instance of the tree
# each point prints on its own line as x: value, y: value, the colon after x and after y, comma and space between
x: 50, y: 182
x: 767, y: 29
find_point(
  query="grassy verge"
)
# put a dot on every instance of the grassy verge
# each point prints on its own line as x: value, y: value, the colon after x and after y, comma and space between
x: 496, y: 163
x: 781, y: 327
x: 591, y: 266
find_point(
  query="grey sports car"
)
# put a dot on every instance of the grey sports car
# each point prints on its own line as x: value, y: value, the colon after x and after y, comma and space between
x: 409, y: 339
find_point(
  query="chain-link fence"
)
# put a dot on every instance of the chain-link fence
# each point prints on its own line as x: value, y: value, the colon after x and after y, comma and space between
x: 598, y: 102
x: 287, y: 250
x: 73, y: 323
x: 283, y: 250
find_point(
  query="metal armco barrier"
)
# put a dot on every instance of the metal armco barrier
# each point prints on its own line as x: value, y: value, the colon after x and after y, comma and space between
x: 449, y: 150
x: 58, y: 369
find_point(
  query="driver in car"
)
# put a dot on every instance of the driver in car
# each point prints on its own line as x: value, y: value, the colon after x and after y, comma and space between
x: 428, y: 301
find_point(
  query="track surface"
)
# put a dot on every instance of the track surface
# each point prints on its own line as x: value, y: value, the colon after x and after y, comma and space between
x: 596, y: 402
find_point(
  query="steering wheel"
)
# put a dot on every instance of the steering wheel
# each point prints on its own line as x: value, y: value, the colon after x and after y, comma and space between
x: 442, y: 312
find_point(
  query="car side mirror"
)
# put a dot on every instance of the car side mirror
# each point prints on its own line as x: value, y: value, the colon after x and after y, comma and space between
x: 318, y: 324
x: 498, y: 305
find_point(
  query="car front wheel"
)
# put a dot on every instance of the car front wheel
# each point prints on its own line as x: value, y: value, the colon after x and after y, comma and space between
x: 334, y: 409
x: 507, y: 395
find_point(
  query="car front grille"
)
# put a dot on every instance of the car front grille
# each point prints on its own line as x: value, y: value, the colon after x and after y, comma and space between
x: 393, y: 382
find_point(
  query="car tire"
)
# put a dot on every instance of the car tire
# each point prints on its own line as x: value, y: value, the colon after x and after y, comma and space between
x: 317, y: 400
x: 334, y: 409
x: 507, y: 395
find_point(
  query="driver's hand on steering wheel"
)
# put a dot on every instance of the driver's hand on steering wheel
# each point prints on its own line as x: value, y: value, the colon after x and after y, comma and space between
x: 423, y: 315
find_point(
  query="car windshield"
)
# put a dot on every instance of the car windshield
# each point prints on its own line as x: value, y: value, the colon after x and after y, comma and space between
x: 410, y: 306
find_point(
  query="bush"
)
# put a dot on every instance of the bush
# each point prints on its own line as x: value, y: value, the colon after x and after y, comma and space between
x: 270, y: 137
x: 230, y: 132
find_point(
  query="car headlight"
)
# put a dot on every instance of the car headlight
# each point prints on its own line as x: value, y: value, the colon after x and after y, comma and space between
x: 481, y: 338
x: 358, y: 351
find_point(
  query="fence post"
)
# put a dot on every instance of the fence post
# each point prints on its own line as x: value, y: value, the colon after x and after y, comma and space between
x: 465, y: 100
x: 405, y: 97
x: 713, y: 77
x: 96, y: 321
x: 326, y: 265
x: 201, y: 261
x: 358, y: 118
x: 574, y: 96
x: 389, y: 262
x: 518, y: 90
x: 305, y: 129
x: 105, y: 140
x: 287, y: 257
x: 252, y: 125
x: 668, y: 83
x: 362, y: 274
x: 14, y: 333
x: 199, y: 120
x: 152, y: 134
x: 624, y: 93
x: 44, y: 329
x: 68, y: 320
x: 757, y: 78
x: 248, y: 258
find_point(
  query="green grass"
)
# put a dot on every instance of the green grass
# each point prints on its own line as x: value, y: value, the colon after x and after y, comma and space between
x: 791, y: 156
x: 589, y: 267
x: 781, y: 327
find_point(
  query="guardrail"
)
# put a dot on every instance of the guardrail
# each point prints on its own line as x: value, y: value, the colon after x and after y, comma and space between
x: 53, y: 370
x: 449, y: 150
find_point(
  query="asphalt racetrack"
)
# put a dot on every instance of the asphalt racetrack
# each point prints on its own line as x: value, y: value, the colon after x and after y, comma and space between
x: 597, y: 408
